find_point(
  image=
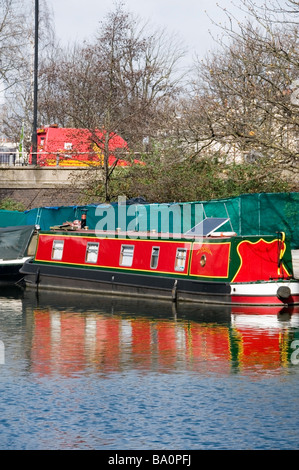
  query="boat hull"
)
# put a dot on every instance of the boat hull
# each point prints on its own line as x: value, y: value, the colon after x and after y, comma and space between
x: 285, y: 292
x: 10, y: 271
x: 116, y: 283
x: 17, y: 244
x: 109, y: 282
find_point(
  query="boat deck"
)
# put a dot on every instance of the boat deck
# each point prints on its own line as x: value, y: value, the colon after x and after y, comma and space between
x: 295, y: 256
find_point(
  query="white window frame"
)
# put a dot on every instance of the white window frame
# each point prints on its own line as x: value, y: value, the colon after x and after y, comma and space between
x: 92, y: 252
x: 155, y: 258
x: 57, y: 250
x: 180, y: 259
x: 126, y: 255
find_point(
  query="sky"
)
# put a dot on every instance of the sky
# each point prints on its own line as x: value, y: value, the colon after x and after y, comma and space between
x: 189, y: 19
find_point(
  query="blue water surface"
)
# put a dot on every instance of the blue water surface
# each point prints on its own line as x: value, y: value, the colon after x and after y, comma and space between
x: 186, y: 392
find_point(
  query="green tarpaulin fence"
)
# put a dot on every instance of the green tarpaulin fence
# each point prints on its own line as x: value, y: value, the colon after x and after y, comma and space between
x: 249, y: 214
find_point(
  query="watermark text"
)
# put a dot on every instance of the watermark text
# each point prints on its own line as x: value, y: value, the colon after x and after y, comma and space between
x: 295, y: 354
x: 151, y: 221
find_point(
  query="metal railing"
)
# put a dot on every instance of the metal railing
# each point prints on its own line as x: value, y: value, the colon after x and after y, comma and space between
x: 11, y: 159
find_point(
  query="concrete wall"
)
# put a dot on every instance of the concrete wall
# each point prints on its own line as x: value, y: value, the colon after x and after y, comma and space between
x: 38, y: 177
x: 37, y: 187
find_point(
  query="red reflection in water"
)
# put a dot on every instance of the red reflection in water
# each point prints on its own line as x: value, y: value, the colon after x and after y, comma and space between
x: 66, y: 343
x: 209, y: 345
x: 141, y: 345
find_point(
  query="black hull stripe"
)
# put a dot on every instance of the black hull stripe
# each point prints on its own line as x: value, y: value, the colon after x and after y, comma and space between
x: 125, y: 283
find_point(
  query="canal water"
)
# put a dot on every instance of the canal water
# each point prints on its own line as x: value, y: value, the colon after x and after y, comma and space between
x: 81, y: 372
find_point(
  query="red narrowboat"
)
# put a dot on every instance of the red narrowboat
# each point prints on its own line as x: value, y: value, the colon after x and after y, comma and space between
x: 218, y: 268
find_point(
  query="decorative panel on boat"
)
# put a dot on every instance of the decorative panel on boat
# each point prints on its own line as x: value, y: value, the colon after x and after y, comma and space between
x: 210, y: 260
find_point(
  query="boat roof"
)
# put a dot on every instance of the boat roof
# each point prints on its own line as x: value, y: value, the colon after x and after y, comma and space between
x: 205, y: 228
x: 14, y: 241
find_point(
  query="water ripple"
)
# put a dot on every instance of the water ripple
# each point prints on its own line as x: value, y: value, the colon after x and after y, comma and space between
x: 92, y: 379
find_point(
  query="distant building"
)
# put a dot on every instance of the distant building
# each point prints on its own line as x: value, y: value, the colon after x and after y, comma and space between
x: 8, y: 153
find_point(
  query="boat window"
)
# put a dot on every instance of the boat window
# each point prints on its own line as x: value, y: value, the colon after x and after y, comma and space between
x: 92, y: 251
x: 126, y: 255
x: 57, y: 249
x: 155, y: 257
x: 180, y: 259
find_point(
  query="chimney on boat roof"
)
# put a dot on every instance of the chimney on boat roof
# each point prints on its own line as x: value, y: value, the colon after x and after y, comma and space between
x: 83, y: 218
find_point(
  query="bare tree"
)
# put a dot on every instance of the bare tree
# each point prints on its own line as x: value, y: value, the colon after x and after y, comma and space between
x: 11, y: 40
x: 18, y: 79
x: 115, y: 84
x: 243, y: 92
